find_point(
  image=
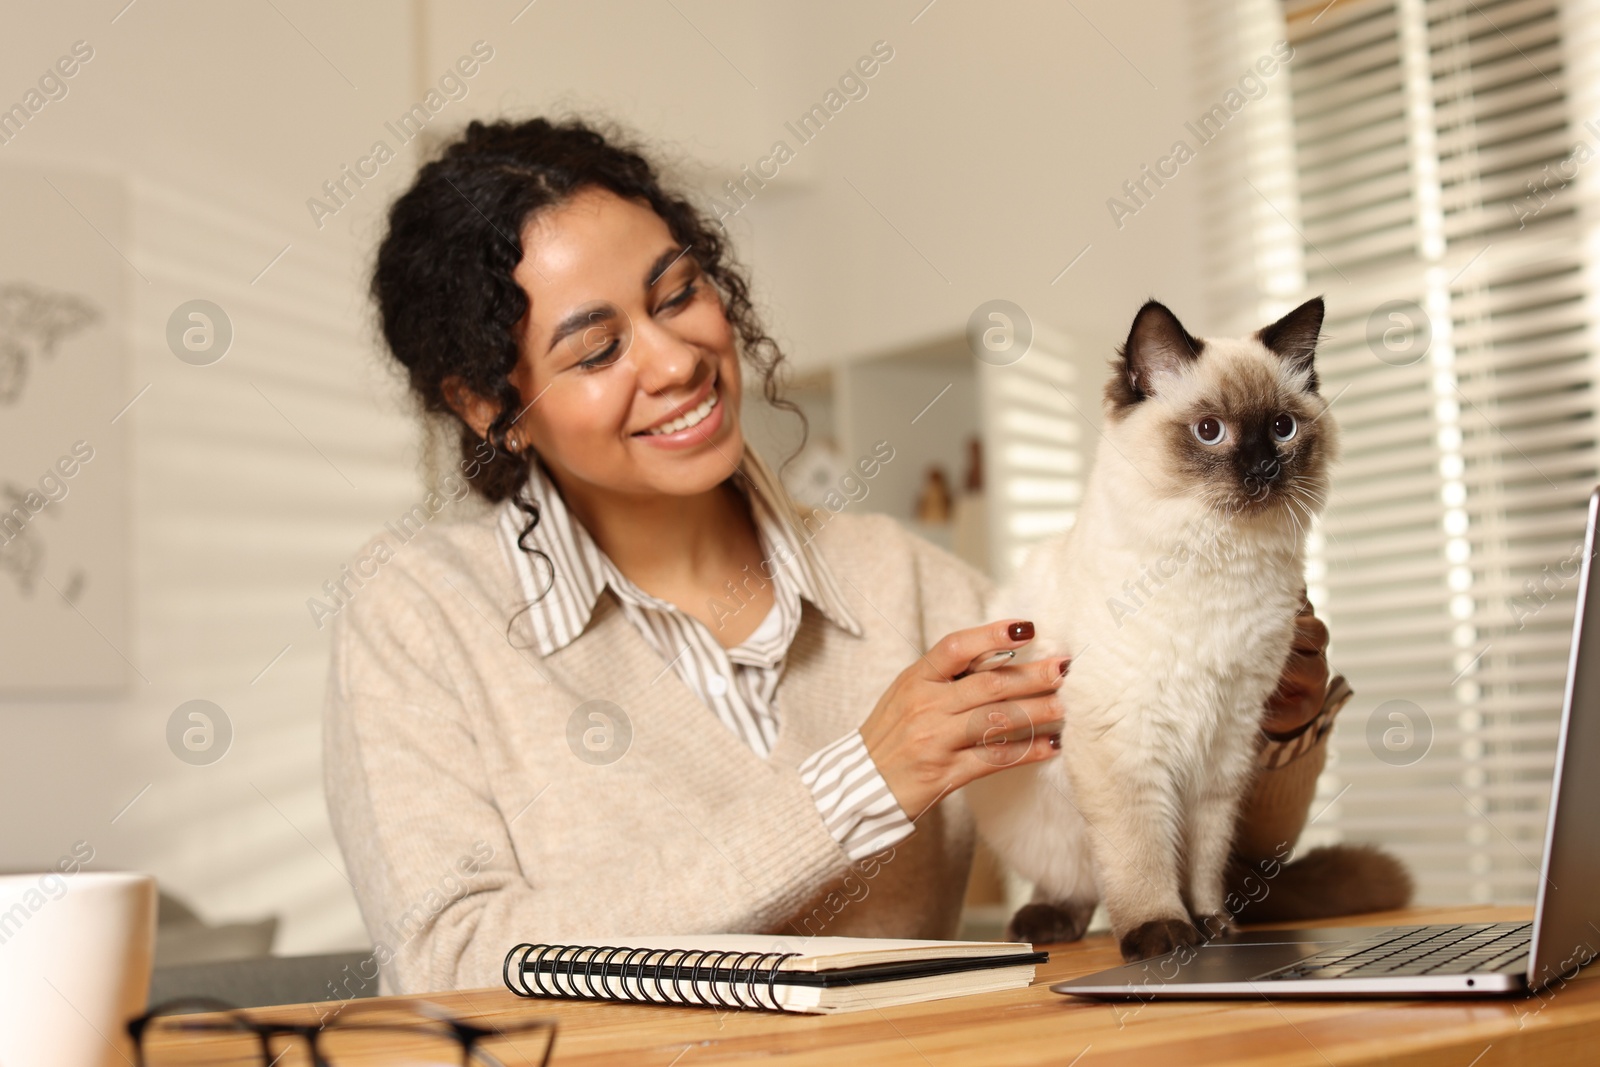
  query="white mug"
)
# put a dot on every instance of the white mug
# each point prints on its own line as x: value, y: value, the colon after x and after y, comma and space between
x: 75, y: 957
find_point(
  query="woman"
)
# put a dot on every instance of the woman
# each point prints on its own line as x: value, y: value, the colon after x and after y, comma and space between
x: 648, y: 694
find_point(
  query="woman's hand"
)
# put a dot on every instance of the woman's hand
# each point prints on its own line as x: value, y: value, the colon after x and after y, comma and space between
x: 1304, y: 683
x: 936, y: 728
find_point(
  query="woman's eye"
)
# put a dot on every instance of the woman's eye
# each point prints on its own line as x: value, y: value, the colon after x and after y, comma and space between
x: 1209, y: 430
x: 603, y: 341
x: 603, y: 358
x: 1284, y: 427
x: 683, y: 296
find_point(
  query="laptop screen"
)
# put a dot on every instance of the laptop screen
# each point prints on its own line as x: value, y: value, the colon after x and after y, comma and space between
x: 1566, y: 928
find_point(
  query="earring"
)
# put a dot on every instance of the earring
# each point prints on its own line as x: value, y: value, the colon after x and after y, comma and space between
x: 513, y: 442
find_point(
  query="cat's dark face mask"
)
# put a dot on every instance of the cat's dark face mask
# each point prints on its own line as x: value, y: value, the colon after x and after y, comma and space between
x: 1239, y: 422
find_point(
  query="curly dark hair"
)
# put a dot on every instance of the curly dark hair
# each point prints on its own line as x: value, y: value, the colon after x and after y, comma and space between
x: 442, y: 282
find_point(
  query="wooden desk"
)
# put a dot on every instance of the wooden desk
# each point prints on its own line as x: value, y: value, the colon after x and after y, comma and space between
x: 1036, y: 1026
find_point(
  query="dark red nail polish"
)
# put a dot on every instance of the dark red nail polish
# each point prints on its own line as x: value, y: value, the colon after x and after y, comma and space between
x: 1020, y: 631
x: 1061, y: 667
x: 1055, y: 740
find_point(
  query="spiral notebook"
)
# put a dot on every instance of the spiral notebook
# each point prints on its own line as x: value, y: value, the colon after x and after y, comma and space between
x: 817, y: 975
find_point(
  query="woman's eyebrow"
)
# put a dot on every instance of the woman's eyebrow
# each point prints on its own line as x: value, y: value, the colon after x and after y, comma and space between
x: 663, y: 263
x: 601, y: 313
x: 577, y: 320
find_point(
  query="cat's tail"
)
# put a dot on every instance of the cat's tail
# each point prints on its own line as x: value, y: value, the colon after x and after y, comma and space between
x: 1324, y: 883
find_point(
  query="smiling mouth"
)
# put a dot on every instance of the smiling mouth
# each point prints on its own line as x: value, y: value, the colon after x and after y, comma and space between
x: 692, y: 417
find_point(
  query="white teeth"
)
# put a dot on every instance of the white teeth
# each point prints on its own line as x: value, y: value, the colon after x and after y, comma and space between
x: 683, y: 422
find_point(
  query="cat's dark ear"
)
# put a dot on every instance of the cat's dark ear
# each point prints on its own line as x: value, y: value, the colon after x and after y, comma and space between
x: 1158, y: 346
x: 1294, y: 338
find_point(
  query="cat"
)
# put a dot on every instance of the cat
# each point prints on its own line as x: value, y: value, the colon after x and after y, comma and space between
x: 1174, y: 595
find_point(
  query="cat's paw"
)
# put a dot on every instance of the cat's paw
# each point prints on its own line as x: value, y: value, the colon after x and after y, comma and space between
x: 1042, y: 924
x: 1213, y: 925
x: 1157, y: 938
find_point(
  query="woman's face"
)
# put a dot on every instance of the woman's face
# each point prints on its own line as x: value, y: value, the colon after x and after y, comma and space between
x: 624, y: 336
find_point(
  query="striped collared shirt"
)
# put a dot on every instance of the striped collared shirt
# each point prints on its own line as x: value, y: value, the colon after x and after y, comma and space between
x: 738, y: 683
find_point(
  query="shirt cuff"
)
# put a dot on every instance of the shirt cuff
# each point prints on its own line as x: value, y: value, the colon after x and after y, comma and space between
x: 855, y: 802
x: 1274, y: 752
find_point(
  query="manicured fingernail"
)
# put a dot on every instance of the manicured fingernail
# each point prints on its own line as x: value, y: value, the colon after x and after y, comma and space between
x: 1061, y: 668
x: 1055, y: 740
x: 1020, y: 631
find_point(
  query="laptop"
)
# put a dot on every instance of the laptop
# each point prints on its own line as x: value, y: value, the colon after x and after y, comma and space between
x: 1454, y: 959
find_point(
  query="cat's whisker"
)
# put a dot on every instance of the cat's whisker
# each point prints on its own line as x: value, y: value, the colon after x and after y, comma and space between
x: 1308, y: 501
x: 1309, y: 514
x: 1319, y: 500
x: 1317, y: 493
x: 1298, y: 529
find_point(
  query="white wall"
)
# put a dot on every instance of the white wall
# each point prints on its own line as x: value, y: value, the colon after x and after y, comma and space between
x: 990, y: 142
x: 987, y: 149
x: 879, y: 399
x: 218, y: 123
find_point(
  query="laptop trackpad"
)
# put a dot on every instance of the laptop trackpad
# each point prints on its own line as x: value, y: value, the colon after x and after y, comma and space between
x: 1215, y: 963
x: 1238, y: 958
x: 1224, y: 962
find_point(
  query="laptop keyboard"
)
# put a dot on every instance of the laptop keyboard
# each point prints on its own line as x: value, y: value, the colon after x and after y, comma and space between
x: 1471, y: 948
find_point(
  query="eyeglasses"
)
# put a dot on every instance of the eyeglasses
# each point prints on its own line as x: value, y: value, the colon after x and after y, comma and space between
x: 414, y: 1032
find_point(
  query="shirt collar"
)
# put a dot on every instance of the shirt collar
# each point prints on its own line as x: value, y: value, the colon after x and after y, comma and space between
x: 566, y: 582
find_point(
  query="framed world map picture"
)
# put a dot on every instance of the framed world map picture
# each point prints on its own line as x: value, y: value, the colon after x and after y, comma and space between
x: 64, y: 531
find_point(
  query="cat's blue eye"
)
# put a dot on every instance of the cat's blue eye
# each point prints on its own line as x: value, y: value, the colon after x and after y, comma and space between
x: 1209, y: 431
x: 1284, y: 427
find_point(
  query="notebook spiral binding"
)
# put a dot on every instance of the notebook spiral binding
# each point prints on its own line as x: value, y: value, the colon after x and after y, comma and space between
x: 580, y: 972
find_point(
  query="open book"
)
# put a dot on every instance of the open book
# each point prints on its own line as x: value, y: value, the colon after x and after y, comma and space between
x: 819, y: 975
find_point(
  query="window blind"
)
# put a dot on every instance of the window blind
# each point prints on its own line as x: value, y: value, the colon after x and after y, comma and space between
x: 1034, y: 420
x: 1420, y: 168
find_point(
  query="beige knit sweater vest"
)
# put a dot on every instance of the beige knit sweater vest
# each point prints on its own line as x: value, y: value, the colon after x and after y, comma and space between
x: 469, y: 822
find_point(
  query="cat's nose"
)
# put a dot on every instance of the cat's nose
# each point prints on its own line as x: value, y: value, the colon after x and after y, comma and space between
x: 1268, y: 470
